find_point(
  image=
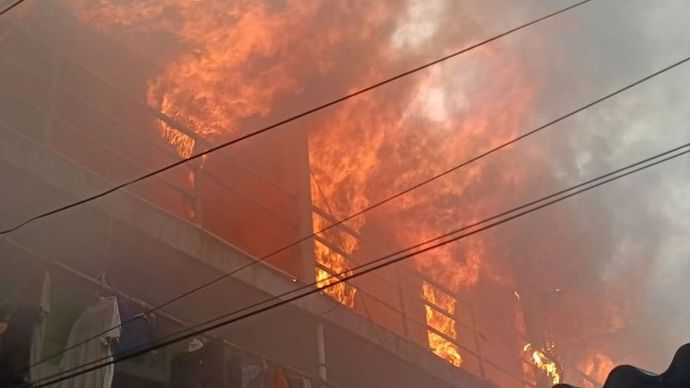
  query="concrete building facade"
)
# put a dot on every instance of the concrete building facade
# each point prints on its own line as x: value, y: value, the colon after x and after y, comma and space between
x: 72, y: 124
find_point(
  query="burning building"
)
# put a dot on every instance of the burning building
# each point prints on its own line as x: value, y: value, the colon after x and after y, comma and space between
x: 97, y: 93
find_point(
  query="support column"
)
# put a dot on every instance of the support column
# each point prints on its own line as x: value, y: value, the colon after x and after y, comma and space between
x: 321, y: 352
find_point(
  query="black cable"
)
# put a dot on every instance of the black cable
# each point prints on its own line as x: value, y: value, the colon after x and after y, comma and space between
x: 350, y: 217
x: 381, y: 262
x: 349, y: 277
x: 467, y: 227
x: 288, y: 120
x: 503, y: 214
x: 388, y: 199
x: 279, y: 124
x: 10, y: 7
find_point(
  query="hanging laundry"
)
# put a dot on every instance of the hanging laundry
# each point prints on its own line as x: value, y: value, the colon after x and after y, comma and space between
x: 306, y: 383
x: 202, y: 366
x: 257, y: 376
x: 137, y: 331
x: 23, y: 329
x: 278, y: 379
x: 36, y: 371
x: 254, y: 373
x: 299, y: 382
x: 15, y: 349
x: 94, y: 321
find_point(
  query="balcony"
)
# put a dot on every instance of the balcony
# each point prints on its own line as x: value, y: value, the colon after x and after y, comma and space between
x: 67, y: 131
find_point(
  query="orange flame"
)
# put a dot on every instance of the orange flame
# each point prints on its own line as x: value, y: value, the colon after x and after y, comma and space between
x: 348, y: 157
x: 326, y: 257
x: 546, y: 364
x: 241, y: 59
x: 333, y: 263
x: 225, y: 76
x: 598, y: 367
x: 439, y: 310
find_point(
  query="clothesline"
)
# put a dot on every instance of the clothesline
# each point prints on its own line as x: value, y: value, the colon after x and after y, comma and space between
x: 145, y: 306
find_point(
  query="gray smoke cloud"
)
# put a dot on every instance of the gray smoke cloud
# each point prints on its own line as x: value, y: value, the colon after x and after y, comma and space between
x: 642, y: 233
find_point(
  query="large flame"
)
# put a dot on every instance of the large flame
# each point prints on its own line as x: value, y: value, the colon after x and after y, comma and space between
x: 372, y: 147
x: 242, y: 55
x: 242, y: 60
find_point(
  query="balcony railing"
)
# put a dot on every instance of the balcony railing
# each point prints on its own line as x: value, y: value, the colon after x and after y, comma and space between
x: 58, y: 112
x: 470, y: 340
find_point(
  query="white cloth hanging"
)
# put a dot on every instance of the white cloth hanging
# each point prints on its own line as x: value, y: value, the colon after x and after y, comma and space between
x: 39, y: 331
x: 306, y: 383
x: 93, y: 322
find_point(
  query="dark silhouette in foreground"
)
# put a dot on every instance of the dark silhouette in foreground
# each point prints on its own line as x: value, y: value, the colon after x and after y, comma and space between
x: 626, y: 376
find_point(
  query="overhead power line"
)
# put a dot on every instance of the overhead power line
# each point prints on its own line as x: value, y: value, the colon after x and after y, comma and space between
x: 288, y: 120
x: 467, y: 227
x: 10, y: 7
x: 390, y: 259
x: 389, y: 199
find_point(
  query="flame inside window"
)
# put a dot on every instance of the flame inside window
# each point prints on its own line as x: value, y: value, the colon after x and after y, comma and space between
x: 441, y: 326
x: 330, y: 263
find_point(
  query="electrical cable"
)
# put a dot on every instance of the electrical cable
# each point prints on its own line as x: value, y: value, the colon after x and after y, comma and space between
x: 10, y: 7
x: 286, y: 120
x: 339, y: 222
x: 389, y: 199
x: 352, y: 273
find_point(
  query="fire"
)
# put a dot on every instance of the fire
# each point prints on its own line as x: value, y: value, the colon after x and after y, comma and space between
x: 598, y: 367
x: 333, y: 263
x: 241, y: 58
x: 544, y: 360
x: 241, y: 61
x: 245, y: 57
x: 330, y: 262
x: 444, y: 349
x: 182, y: 143
x: 371, y: 147
x: 439, y: 310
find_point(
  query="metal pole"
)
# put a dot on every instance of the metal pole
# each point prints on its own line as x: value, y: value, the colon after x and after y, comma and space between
x: 321, y: 352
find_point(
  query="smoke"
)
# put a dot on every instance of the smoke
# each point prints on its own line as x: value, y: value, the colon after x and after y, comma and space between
x: 628, y: 303
x: 610, y: 251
